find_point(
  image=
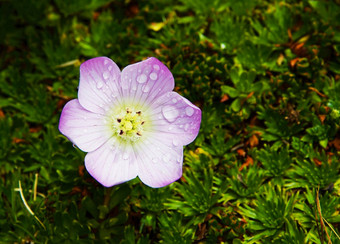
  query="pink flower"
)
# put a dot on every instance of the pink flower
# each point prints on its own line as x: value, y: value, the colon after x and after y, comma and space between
x: 131, y: 123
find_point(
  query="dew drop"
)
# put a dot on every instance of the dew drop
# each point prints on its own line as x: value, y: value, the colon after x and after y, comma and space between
x: 99, y: 84
x: 106, y: 62
x: 166, y: 157
x: 186, y: 127
x: 146, y: 88
x: 154, y: 160
x: 147, y: 71
x: 153, y: 76
x: 84, y: 118
x: 156, y: 67
x: 181, y: 126
x: 125, y: 84
x: 106, y: 75
x: 170, y: 113
x: 189, y: 111
x: 174, y: 100
x: 109, y: 68
x: 142, y: 78
x: 85, y: 130
x: 170, y: 128
x: 134, y: 86
x: 175, y: 142
x: 113, y: 94
x: 125, y: 156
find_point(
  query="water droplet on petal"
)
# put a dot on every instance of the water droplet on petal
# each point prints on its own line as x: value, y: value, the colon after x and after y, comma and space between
x: 85, y: 118
x: 154, y: 160
x: 85, y: 130
x: 156, y: 67
x: 134, y: 86
x: 106, y: 75
x: 175, y: 142
x: 174, y: 100
x: 153, y: 76
x: 109, y: 68
x: 186, y: 127
x: 99, y: 84
x: 170, y: 127
x: 181, y: 126
x: 142, y: 78
x: 170, y: 113
x: 125, y: 84
x: 125, y: 156
x: 106, y: 62
x: 146, y: 88
x: 189, y: 111
x: 166, y: 157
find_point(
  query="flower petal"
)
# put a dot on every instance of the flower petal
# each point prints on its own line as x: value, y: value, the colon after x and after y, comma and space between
x: 99, y: 87
x: 143, y: 82
x: 174, y: 115
x: 112, y: 164
x: 159, y: 161
x: 84, y: 128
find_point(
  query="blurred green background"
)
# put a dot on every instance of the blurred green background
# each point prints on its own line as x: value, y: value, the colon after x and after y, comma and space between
x: 265, y: 165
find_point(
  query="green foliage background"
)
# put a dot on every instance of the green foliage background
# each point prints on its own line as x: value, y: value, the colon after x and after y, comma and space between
x: 266, y: 76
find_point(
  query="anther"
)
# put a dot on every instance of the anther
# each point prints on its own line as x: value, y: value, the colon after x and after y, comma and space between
x: 119, y: 120
x: 142, y: 123
x: 121, y: 132
x: 139, y: 113
x: 128, y: 111
x: 139, y: 133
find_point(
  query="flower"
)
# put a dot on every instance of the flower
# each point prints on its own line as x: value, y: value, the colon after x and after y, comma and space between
x: 130, y: 122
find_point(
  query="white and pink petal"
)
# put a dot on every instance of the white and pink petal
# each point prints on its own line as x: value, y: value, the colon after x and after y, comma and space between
x: 99, y: 85
x: 145, y: 81
x: 174, y: 115
x: 85, y: 129
x: 112, y: 163
x: 159, y: 161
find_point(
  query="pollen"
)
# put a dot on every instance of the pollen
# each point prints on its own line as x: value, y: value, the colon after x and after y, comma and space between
x: 128, y: 125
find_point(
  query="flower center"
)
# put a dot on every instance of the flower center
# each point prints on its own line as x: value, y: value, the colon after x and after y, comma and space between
x: 128, y: 125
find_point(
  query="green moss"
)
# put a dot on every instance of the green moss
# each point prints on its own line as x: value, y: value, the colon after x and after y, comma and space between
x: 264, y: 73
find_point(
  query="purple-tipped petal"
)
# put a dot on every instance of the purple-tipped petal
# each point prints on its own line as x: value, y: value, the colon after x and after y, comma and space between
x: 84, y: 128
x: 145, y: 81
x: 112, y: 164
x: 99, y: 85
x: 159, y: 161
x: 175, y: 116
